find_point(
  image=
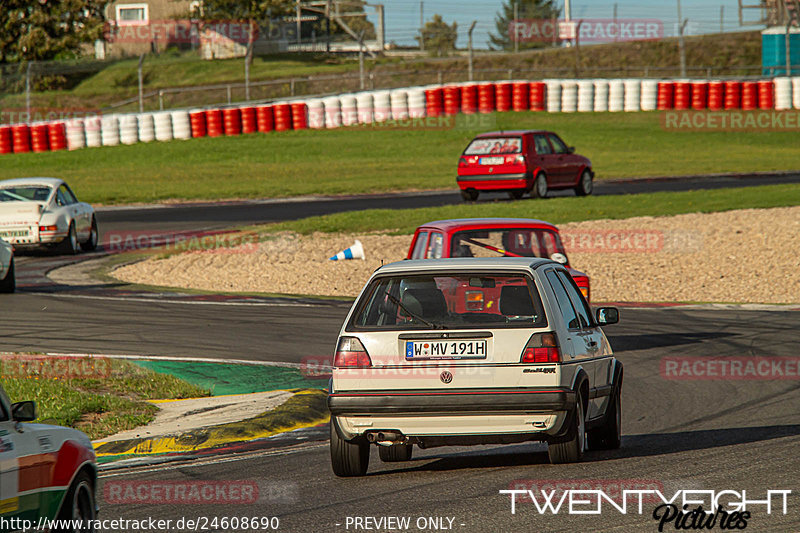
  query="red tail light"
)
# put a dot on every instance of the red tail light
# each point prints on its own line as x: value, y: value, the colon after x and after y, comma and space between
x: 519, y: 160
x: 48, y: 228
x: 350, y: 353
x: 583, y: 284
x: 542, y: 348
x: 462, y: 161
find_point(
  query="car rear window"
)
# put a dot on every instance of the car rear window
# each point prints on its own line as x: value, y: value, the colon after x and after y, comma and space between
x: 449, y: 301
x: 522, y: 242
x: 24, y: 194
x: 495, y: 145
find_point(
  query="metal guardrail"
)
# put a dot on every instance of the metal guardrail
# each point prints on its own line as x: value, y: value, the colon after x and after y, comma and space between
x: 377, y: 78
x: 313, y: 86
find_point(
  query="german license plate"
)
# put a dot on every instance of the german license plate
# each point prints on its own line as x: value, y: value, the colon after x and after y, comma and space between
x: 467, y: 349
x: 14, y: 233
x: 492, y: 160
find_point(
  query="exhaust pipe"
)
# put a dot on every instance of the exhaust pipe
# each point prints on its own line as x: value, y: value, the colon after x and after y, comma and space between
x: 385, y: 438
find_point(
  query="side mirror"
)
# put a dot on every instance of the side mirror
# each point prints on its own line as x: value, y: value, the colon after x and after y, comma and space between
x: 607, y: 315
x: 24, y: 411
x: 570, y: 149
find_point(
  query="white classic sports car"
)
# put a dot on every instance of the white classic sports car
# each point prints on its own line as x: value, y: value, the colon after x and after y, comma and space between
x: 44, y: 212
x: 7, y: 279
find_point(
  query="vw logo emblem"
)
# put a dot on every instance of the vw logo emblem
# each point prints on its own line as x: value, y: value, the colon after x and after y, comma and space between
x: 446, y: 376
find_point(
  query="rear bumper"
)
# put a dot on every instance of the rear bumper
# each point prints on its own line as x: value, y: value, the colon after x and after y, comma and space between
x: 36, y: 241
x: 456, y: 401
x: 494, y: 182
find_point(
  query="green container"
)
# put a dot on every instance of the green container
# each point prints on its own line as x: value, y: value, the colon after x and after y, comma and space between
x: 773, y: 51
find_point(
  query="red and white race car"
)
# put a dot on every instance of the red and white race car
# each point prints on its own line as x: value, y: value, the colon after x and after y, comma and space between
x: 46, y: 472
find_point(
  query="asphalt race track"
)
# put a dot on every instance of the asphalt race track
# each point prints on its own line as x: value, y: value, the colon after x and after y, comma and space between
x: 677, y: 435
x: 81, y: 323
x: 213, y: 216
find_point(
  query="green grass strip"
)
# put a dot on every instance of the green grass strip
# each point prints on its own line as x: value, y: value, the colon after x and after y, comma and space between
x: 555, y: 210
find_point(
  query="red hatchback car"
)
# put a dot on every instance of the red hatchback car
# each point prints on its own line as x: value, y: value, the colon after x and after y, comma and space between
x: 517, y: 162
x: 490, y: 237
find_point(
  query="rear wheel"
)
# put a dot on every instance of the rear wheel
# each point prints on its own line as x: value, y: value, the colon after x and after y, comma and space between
x: 69, y: 246
x: 540, y: 186
x: 395, y: 453
x: 91, y: 242
x: 609, y: 435
x: 516, y: 194
x: 585, y: 185
x: 9, y: 283
x: 570, y: 448
x: 348, y: 458
x: 469, y: 195
x: 78, y: 509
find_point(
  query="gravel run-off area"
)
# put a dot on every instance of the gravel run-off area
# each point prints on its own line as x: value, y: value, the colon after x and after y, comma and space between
x: 746, y: 256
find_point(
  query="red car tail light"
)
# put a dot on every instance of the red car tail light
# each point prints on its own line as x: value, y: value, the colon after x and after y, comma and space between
x: 519, y: 160
x: 462, y: 161
x: 583, y: 284
x: 48, y: 228
x: 350, y: 353
x: 542, y: 348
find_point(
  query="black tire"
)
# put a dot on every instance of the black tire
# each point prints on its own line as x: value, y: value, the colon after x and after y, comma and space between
x: 69, y: 246
x: 396, y: 453
x: 585, y: 184
x: 516, y: 194
x: 569, y: 449
x: 348, y: 458
x: 540, y: 186
x: 79, y: 505
x: 609, y: 435
x: 91, y: 243
x: 9, y: 283
x: 469, y: 195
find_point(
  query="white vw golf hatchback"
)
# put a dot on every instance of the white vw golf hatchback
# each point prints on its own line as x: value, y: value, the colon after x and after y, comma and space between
x: 472, y: 351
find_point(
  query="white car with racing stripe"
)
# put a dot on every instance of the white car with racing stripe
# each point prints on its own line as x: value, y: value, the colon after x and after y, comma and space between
x: 472, y: 351
x: 46, y: 472
x: 44, y: 212
x: 8, y: 281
